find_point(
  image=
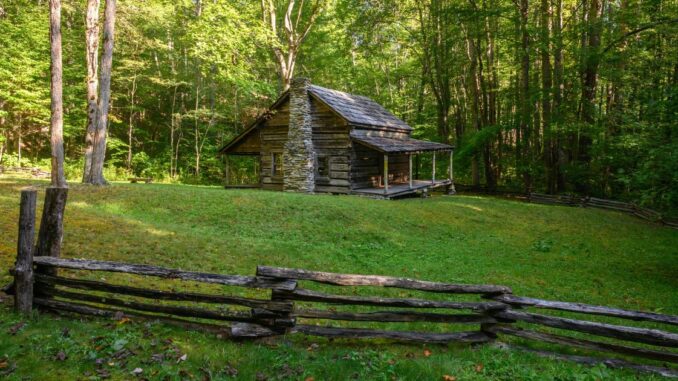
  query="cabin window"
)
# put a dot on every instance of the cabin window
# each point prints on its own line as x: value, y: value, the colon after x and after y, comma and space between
x: 324, y: 166
x: 277, y: 164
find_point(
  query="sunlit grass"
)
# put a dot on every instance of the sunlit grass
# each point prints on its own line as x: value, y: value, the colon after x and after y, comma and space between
x: 571, y: 254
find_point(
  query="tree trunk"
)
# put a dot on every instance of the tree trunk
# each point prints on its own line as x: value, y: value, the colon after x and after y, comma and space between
x: 99, y: 153
x: 589, y: 84
x: 57, y: 108
x: 196, y: 133
x: 546, y: 84
x: 92, y: 59
x: 525, y: 103
x: 173, y: 129
x: 130, y: 128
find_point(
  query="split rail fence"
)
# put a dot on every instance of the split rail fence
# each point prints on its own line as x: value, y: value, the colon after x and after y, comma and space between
x: 580, y: 201
x: 491, y: 311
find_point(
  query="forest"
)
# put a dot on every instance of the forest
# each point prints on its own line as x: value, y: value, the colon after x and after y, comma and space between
x: 558, y: 96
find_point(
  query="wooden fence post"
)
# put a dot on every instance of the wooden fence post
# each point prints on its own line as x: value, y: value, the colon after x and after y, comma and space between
x: 51, y: 227
x: 23, y: 269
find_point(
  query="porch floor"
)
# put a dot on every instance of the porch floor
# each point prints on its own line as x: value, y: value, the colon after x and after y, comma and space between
x: 396, y: 190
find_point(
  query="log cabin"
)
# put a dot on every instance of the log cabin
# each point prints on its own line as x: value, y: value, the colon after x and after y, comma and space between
x: 318, y: 140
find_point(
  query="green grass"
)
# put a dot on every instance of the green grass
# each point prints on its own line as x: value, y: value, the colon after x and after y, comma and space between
x: 563, y: 253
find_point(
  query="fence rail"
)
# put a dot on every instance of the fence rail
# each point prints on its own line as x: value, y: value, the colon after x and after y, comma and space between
x: 35, y: 172
x: 593, y: 202
x: 580, y: 201
x: 462, y: 313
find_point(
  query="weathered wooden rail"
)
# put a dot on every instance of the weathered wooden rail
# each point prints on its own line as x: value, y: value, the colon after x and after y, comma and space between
x: 578, y: 201
x: 593, y: 202
x: 454, y: 313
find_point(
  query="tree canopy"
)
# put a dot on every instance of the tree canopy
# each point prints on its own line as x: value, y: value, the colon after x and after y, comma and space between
x: 553, y: 95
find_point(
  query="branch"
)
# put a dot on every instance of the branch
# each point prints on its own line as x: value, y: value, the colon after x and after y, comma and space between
x: 314, y: 15
x: 638, y: 30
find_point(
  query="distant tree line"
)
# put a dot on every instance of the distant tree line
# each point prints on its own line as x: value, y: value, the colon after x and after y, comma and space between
x: 549, y: 95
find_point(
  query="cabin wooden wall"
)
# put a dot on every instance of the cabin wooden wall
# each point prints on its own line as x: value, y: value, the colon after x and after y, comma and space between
x: 331, y: 140
x: 250, y: 144
x: 273, y: 136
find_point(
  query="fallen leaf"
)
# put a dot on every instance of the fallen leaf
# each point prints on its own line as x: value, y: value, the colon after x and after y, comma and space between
x: 479, y: 367
x: 427, y: 353
x: 182, y: 358
x: 13, y: 330
x: 8, y: 369
x: 123, y: 320
x: 309, y: 379
x: 447, y: 377
x: 312, y: 347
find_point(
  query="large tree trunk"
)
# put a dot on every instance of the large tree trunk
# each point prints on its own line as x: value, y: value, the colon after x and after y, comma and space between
x: 589, y: 84
x: 560, y: 158
x: 57, y: 120
x: 525, y: 103
x: 97, y: 171
x: 92, y: 59
x: 546, y: 84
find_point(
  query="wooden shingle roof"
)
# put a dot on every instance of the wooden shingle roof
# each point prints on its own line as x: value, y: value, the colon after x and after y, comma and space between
x: 358, y: 110
x: 399, y: 145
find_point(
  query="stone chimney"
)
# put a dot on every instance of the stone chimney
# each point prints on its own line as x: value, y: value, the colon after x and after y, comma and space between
x: 299, y: 154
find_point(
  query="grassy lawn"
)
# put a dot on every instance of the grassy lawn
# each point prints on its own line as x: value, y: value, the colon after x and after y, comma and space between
x: 562, y: 253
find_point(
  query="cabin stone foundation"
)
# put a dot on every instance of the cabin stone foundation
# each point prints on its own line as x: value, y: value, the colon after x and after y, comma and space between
x: 298, y: 153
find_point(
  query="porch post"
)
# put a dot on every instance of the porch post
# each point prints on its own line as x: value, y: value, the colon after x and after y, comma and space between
x: 385, y: 173
x: 450, y: 187
x: 451, y: 168
x: 410, y: 177
x: 433, y: 176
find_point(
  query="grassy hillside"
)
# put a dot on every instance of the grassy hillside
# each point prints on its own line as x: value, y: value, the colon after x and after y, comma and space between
x: 541, y: 251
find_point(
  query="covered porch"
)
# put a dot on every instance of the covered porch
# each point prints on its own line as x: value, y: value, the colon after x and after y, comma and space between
x: 396, y: 172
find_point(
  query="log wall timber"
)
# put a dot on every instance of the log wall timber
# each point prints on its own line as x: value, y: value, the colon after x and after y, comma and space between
x: 332, y: 147
x: 250, y: 144
x: 273, y: 135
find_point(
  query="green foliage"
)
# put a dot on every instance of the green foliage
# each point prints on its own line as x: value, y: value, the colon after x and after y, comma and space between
x: 185, y: 82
